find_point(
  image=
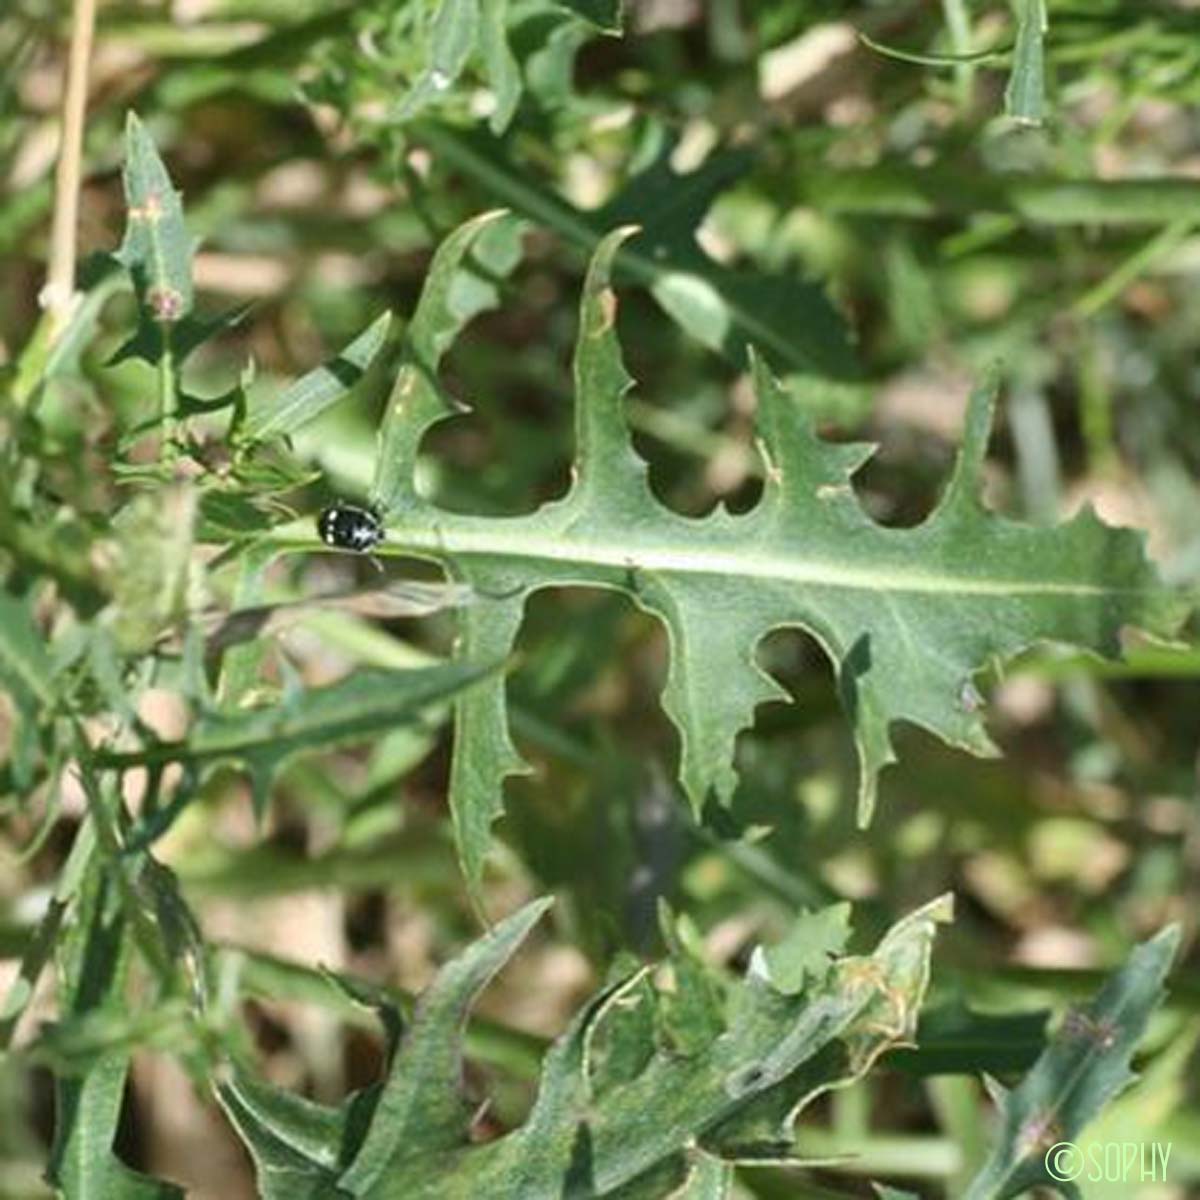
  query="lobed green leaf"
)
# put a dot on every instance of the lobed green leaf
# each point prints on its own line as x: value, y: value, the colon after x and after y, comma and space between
x: 805, y: 952
x: 460, y: 32
x: 627, y: 1137
x: 156, y: 250
x: 906, y: 615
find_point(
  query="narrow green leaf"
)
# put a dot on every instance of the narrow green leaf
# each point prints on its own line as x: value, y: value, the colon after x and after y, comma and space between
x: 1137, y: 264
x: 295, y: 1143
x: 932, y: 60
x: 20, y: 991
x: 452, y: 37
x: 24, y: 663
x: 48, y: 354
x: 268, y: 977
x: 357, y: 706
x: 73, y: 1047
x: 312, y: 394
x: 367, y: 702
x: 931, y: 192
x: 954, y: 1040
x: 1025, y: 96
x: 1085, y: 1065
x: 25, y: 671
x: 156, y: 250
x: 604, y: 14
x: 789, y: 320
x: 454, y: 28
x: 503, y: 73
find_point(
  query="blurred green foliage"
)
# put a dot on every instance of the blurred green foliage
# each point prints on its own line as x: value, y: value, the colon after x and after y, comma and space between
x: 885, y: 231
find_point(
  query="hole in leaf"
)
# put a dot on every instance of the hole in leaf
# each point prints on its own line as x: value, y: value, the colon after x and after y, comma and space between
x: 899, y: 486
x: 798, y: 661
x: 793, y: 749
x: 365, y: 921
x: 699, y: 447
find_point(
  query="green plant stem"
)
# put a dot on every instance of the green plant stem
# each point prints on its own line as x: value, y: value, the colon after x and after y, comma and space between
x: 936, y: 60
x: 167, y: 387
x: 957, y: 1101
x: 925, y: 194
x: 1136, y: 265
x: 919, y: 1157
x: 1095, y: 403
x: 958, y: 22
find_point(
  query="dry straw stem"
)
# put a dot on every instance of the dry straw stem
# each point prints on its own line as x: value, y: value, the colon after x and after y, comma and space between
x: 58, y: 296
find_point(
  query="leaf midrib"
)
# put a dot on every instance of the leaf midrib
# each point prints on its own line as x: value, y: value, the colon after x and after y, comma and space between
x: 441, y: 543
